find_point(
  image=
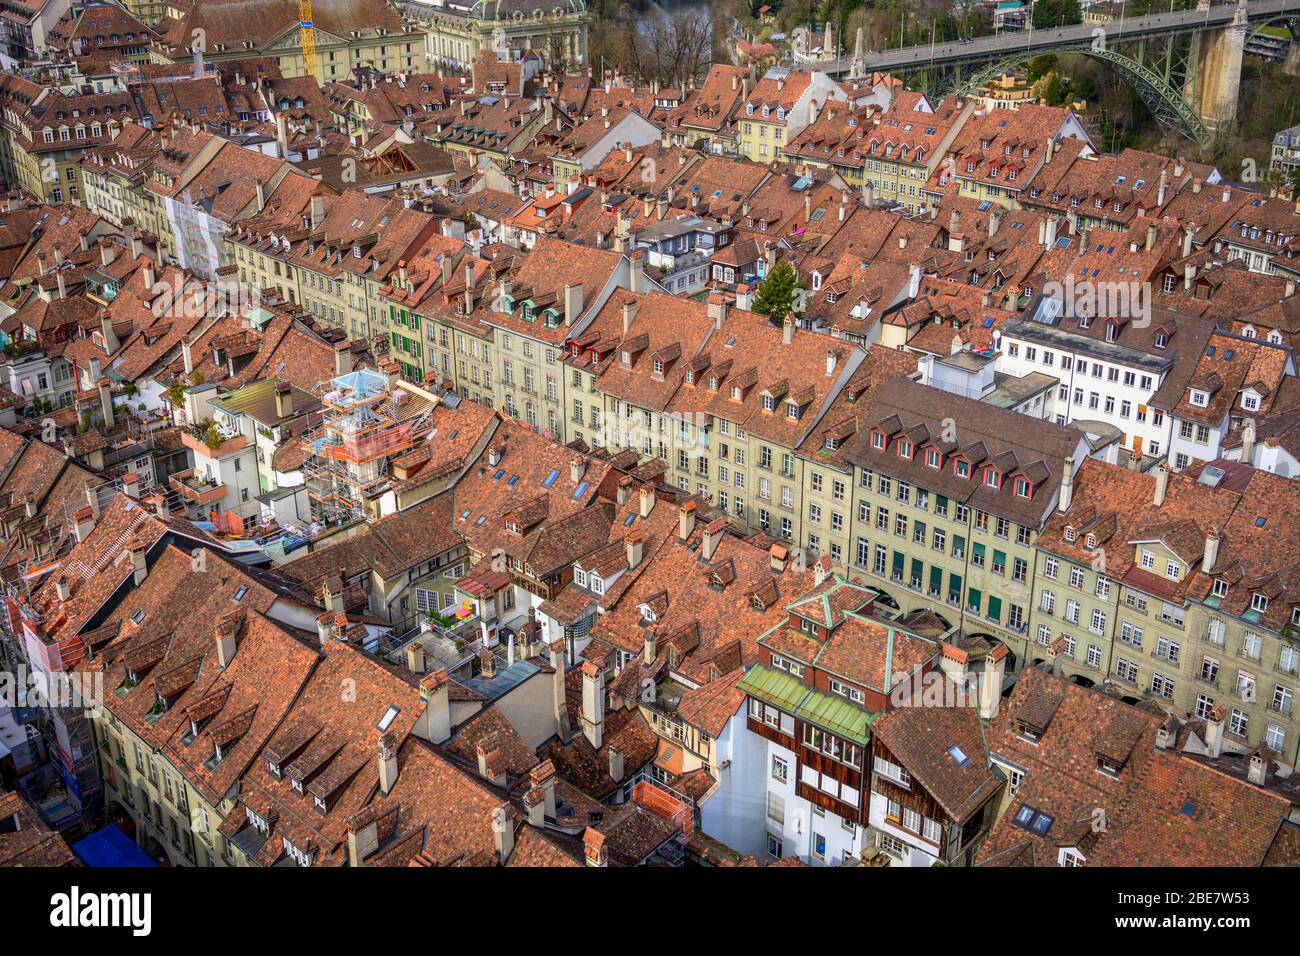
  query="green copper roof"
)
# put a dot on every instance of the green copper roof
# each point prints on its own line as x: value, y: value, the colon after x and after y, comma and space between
x: 792, y: 695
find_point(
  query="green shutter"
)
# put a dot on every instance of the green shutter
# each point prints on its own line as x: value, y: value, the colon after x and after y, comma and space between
x: 936, y: 579
x: 999, y: 558
x: 995, y: 608
x: 978, y: 550
x: 918, y: 571
x: 954, y: 587
x: 974, y: 599
x: 898, y: 563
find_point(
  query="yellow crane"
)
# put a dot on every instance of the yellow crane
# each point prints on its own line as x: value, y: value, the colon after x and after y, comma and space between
x: 307, y: 39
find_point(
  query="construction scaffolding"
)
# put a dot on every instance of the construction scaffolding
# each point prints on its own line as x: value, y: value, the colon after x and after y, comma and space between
x: 366, y: 424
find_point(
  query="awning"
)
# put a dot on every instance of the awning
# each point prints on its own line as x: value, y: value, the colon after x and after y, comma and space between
x: 110, y: 847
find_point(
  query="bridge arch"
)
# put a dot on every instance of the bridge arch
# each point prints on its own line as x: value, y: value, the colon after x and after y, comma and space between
x: 1166, y: 103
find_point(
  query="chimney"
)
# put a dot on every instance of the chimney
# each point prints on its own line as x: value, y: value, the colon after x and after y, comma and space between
x: 572, y: 303
x: 1067, y: 486
x: 491, y: 762
x: 261, y: 196
x: 990, y: 684
x: 624, y: 493
x: 717, y: 309
x: 1162, y: 484
x: 1248, y: 442
x: 487, y: 661
x: 131, y: 485
x: 650, y: 647
x: 226, y: 632
x: 342, y: 358
x: 712, y: 536
x: 435, y: 722
x: 317, y: 212
x: 636, y: 278
x: 150, y: 277
x: 1164, y: 189
x: 106, y: 330
x: 593, y: 847
x: 832, y: 359
x: 503, y: 829
x: 83, y: 522
x: 777, y: 556
x: 616, y: 763
x: 105, y: 254
x: 63, y: 287
x: 1211, y: 549
x: 448, y: 266
x: 821, y: 570
x: 1151, y: 237
x: 1214, y: 730
x: 1257, y: 770
x: 559, y: 707
x: 415, y: 661
x: 281, y: 143
x: 332, y: 592
x: 283, y: 400
x: 62, y: 588
x: 138, y: 563
x: 787, y: 331
x: 1189, y: 273
x: 686, y: 521
x: 1049, y: 232
x: 647, y: 501
x: 629, y: 315
x: 635, y: 544
x: 593, y: 703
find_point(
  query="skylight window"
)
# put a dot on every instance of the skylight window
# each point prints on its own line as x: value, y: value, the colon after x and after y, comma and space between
x: 387, y: 720
x: 958, y: 755
x: 550, y: 478
x: 581, y: 490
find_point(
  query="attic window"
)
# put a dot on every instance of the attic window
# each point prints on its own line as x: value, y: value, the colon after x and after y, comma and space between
x: 904, y: 448
x: 1033, y: 820
x: 1022, y: 488
x: 1029, y: 731
x: 932, y: 458
x: 1220, y: 588
x: 877, y: 440
x: 963, y: 468
x: 769, y: 403
x: 239, y: 593
x: 1107, y: 766
x: 958, y: 755
x: 1069, y: 533
x: 1259, y: 602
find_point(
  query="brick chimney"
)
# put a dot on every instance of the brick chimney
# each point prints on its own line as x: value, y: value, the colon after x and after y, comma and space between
x: 635, y: 543
x: 647, y: 502
x: 283, y: 400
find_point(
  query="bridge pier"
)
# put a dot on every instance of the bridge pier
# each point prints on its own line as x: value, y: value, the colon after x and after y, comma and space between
x: 1218, y: 72
x: 1292, y: 65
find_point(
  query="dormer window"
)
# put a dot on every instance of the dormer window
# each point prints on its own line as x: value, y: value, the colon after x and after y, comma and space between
x: 1106, y: 765
x: 1161, y: 340
x: 735, y: 391
x: 904, y: 448
x: 791, y: 410
x: 1069, y: 533
x: 877, y: 440
x: 769, y: 403
x: 1220, y: 588
x: 659, y: 367
x: 627, y: 357
x: 1259, y: 602
x: 962, y: 468
x: 1200, y: 398
x: 1022, y: 488
x: 932, y: 457
x: 992, y: 478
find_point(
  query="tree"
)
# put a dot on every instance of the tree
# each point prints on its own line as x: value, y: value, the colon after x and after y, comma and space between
x: 776, y: 296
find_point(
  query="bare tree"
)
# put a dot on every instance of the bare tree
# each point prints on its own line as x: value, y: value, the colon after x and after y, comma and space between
x: 676, y: 47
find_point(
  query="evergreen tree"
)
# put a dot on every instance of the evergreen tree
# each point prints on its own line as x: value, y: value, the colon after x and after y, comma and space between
x: 777, y: 293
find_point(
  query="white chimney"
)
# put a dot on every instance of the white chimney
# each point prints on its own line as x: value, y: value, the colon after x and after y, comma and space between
x: 593, y: 703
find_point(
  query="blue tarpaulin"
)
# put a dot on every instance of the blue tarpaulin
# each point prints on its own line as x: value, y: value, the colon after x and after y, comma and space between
x: 110, y: 847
